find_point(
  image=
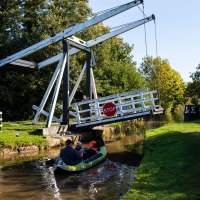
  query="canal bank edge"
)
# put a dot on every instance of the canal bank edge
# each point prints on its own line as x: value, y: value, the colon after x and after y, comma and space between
x: 57, y: 136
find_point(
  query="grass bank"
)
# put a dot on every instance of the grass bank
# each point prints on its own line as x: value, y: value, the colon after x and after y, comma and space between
x: 22, y: 133
x: 170, y: 168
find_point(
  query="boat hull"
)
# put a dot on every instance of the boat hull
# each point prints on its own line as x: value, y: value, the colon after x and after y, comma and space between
x: 82, y: 166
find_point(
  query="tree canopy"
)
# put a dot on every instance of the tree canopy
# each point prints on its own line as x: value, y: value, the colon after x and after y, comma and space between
x: 25, y: 22
x: 193, y: 87
x: 161, y: 77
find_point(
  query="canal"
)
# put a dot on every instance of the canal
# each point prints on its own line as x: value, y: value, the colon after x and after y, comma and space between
x: 24, y: 177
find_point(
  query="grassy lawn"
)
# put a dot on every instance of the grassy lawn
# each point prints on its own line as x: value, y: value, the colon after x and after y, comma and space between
x: 170, y: 168
x: 21, y: 133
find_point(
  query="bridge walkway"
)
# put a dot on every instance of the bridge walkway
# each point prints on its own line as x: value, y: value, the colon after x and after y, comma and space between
x: 128, y: 105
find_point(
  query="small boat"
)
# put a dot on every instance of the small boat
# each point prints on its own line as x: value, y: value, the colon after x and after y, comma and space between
x: 191, y: 112
x: 86, y: 164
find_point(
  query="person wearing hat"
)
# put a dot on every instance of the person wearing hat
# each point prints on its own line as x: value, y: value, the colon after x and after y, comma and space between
x: 69, y: 155
x: 80, y: 150
x: 78, y: 146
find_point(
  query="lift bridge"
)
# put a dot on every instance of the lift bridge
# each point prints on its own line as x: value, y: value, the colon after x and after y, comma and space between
x: 124, y: 106
x: 92, y: 112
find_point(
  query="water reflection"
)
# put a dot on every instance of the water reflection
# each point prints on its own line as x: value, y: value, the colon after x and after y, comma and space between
x: 157, y: 121
x: 108, y: 179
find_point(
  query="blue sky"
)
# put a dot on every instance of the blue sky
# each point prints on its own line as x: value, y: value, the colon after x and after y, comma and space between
x: 177, y: 30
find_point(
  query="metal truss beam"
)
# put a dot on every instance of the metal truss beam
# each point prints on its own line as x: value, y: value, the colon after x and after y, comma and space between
x: 70, y: 31
x: 98, y: 40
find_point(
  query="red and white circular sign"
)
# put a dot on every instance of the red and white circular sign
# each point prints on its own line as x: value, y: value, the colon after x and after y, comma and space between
x: 109, y: 109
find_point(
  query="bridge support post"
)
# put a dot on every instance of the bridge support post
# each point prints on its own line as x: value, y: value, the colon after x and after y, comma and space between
x: 65, y: 120
x: 88, y: 80
x: 56, y: 90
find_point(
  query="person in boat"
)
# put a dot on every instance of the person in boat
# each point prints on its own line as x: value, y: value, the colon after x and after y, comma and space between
x: 80, y: 150
x: 91, y: 150
x: 78, y: 146
x: 99, y: 142
x: 69, y: 155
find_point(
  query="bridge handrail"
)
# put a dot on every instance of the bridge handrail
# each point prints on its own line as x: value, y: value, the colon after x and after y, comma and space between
x: 133, y: 102
x: 115, y: 97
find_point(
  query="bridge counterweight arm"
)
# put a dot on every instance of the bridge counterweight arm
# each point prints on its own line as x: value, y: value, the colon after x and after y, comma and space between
x: 98, y: 40
x: 69, y: 31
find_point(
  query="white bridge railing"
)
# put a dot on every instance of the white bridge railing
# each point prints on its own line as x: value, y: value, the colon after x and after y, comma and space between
x: 128, y: 105
x: 131, y: 104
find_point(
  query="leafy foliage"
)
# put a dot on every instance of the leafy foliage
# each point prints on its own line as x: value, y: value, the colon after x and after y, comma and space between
x: 193, y: 88
x: 161, y: 77
x: 115, y: 71
x: 24, y: 23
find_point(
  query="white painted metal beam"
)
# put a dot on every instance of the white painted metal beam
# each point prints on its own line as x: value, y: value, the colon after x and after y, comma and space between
x: 46, y: 95
x: 56, y: 91
x: 46, y: 113
x: 78, y: 46
x: 24, y: 63
x: 98, y: 40
x: 70, y: 31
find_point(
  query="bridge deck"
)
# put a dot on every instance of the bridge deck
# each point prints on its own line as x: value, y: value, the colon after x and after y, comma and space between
x: 129, y: 105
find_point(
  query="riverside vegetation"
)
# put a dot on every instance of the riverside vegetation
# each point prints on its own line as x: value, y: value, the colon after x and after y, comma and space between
x: 170, y: 168
x: 22, y: 133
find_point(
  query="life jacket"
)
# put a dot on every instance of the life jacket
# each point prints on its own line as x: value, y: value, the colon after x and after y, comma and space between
x: 91, y: 144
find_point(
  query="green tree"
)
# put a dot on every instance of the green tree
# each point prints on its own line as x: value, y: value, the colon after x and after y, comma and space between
x: 193, y: 88
x: 27, y: 22
x: 24, y: 23
x: 161, y: 77
x: 116, y: 71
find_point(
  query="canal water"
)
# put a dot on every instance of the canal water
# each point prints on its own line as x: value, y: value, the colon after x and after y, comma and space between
x: 24, y: 177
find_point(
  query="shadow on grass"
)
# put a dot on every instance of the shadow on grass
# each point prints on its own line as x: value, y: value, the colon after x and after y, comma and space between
x: 35, y: 132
